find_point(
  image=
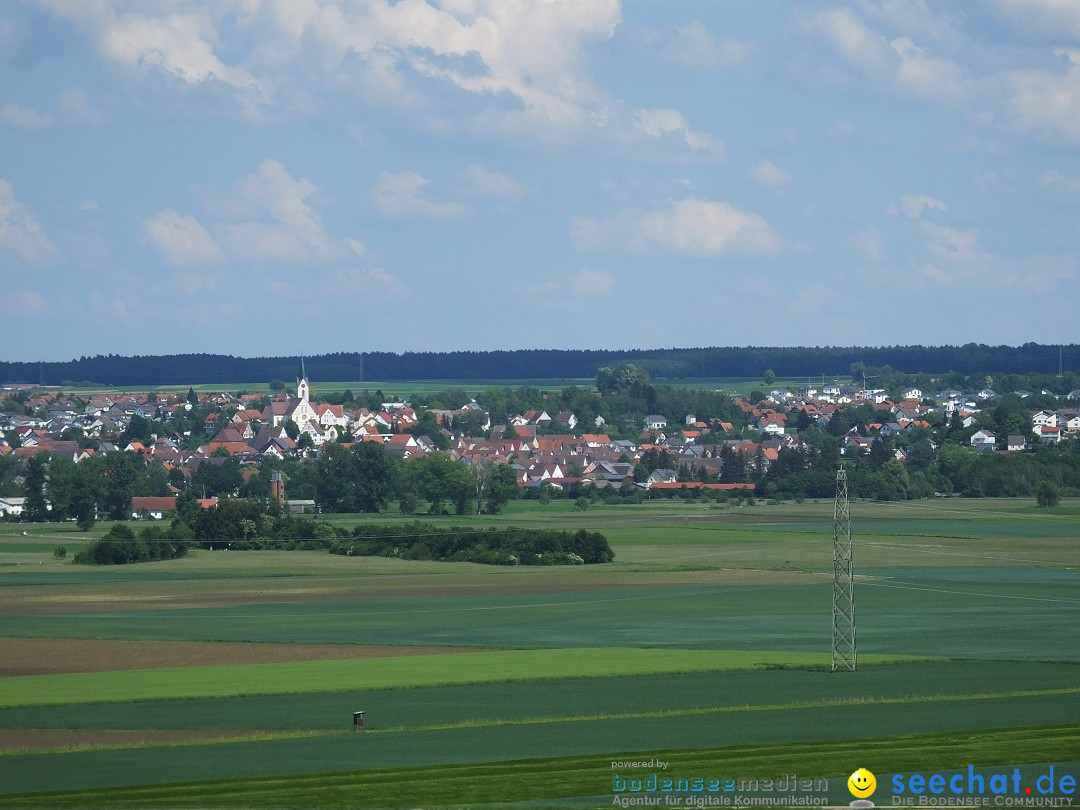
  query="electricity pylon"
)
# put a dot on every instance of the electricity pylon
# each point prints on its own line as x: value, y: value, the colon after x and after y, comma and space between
x: 843, y: 591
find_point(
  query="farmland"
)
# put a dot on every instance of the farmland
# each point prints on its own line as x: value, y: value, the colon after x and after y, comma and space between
x: 230, y: 678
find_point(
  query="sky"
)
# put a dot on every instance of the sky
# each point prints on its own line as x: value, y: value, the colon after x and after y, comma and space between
x: 277, y: 177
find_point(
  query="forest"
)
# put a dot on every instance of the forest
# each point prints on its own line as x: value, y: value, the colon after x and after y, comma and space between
x: 539, y: 364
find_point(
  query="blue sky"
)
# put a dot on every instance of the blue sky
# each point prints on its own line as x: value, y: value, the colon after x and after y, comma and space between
x: 271, y: 177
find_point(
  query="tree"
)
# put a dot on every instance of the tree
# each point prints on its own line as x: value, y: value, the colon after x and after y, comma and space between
x: 438, y: 478
x: 35, y: 509
x: 498, y: 482
x: 1046, y: 494
x: 292, y: 430
x: 769, y: 377
x: 121, y: 474
x: 192, y: 397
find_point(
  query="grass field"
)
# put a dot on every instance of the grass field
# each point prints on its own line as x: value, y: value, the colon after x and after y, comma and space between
x: 230, y: 678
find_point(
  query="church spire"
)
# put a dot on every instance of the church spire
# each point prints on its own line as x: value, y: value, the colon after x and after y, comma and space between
x: 302, y: 383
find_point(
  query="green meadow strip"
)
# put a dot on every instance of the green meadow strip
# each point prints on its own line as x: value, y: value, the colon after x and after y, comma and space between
x: 587, y: 776
x: 581, y: 718
x: 388, y: 673
x: 711, y: 710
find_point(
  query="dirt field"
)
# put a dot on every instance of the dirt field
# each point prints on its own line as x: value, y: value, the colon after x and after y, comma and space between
x: 45, y: 656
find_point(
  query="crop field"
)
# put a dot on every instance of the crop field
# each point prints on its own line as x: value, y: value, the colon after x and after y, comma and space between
x: 703, y: 651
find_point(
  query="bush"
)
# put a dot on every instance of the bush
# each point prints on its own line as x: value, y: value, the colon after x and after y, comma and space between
x: 495, y: 546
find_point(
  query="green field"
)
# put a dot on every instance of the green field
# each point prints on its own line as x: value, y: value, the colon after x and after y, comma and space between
x: 705, y: 644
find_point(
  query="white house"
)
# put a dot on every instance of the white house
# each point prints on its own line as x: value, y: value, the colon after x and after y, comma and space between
x: 11, y: 505
x: 912, y: 393
x: 655, y: 421
x: 1044, y: 419
x: 982, y: 437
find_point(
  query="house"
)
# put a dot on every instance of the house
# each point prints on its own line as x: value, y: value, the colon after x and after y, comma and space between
x: 154, y: 507
x: 1015, y: 444
x: 663, y: 476
x: 10, y: 505
x: 1043, y: 419
x: 982, y: 437
x: 912, y: 393
x: 655, y: 421
x: 1048, y: 434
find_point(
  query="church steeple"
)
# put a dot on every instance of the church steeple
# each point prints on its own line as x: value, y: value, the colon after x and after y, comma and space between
x: 302, y: 383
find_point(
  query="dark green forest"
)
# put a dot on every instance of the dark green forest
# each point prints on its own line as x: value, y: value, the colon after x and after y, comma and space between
x: 688, y: 363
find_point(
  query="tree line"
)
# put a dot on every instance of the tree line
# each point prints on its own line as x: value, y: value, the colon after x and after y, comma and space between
x: 675, y: 363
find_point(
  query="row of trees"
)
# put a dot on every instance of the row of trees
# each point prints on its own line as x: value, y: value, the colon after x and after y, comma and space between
x: 746, y: 362
x: 247, y: 524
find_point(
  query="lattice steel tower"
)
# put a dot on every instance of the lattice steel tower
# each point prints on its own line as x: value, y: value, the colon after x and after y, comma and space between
x: 843, y: 592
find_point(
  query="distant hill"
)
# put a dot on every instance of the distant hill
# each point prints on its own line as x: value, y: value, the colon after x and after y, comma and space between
x: 713, y: 362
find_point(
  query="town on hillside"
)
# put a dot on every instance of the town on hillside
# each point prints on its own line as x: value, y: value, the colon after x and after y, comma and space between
x: 913, y: 440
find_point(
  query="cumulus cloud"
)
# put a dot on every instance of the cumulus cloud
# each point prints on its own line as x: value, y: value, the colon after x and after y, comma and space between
x: 1053, y: 19
x: 401, y: 195
x: 73, y: 108
x: 593, y: 283
x: 479, y: 182
x: 281, y: 222
x: 665, y: 123
x: 17, y: 117
x: 913, y: 205
x: 1057, y: 181
x: 181, y: 239
x: 705, y: 228
x: 24, y: 304
x: 1048, y: 102
x: 19, y: 231
x: 693, y: 46
x: 503, y: 68
x: 769, y: 174
x: 899, y: 64
x: 268, y: 216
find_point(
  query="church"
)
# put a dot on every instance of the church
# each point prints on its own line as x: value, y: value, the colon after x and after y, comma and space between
x: 299, y: 409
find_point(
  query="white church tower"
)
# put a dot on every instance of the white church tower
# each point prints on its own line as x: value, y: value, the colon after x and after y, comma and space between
x: 302, y: 383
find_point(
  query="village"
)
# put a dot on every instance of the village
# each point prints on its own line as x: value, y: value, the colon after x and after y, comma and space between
x: 553, y: 450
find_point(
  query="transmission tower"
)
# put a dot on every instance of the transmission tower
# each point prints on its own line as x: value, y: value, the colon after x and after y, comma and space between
x: 843, y: 592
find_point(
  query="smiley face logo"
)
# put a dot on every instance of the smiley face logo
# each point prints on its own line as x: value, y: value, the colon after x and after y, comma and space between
x: 862, y: 783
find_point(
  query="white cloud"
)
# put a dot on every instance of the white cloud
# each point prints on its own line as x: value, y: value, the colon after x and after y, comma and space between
x: 769, y: 174
x: 400, y: 195
x: 366, y: 283
x: 662, y: 123
x: 593, y: 283
x: 913, y: 205
x: 959, y: 248
x: 285, y: 227
x: 503, y: 68
x: 705, y: 228
x: 693, y: 46
x: 898, y: 64
x: 1054, y: 19
x: 19, y: 231
x: 24, y: 304
x: 856, y: 43
x: 1047, y: 102
x: 480, y: 182
x: 869, y: 244
x: 181, y: 238
x: 178, y: 42
x: 12, y: 115
x: 75, y: 108
x: 1057, y: 181
x: 195, y: 283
